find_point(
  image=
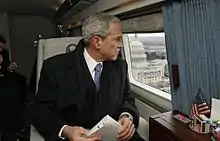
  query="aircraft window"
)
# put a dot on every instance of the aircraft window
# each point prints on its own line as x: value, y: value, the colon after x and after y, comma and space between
x: 148, y: 60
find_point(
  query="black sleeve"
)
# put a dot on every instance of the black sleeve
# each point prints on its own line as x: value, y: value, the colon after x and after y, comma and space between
x: 45, y: 117
x: 6, y: 60
x: 129, y: 100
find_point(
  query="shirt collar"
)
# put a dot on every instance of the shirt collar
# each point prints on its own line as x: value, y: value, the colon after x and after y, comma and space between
x: 91, y: 63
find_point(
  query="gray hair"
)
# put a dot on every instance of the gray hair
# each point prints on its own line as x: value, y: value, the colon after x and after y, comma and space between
x: 97, y: 25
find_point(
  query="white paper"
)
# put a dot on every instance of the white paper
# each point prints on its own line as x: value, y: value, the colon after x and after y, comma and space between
x: 107, y: 129
x: 215, y: 111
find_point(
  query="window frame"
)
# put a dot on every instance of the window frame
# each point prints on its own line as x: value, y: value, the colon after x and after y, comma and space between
x: 143, y: 91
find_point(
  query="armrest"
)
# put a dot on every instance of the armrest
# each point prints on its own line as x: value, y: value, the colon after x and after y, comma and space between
x: 143, y: 129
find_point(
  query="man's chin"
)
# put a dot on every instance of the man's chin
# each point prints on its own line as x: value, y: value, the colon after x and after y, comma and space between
x: 114, y: 58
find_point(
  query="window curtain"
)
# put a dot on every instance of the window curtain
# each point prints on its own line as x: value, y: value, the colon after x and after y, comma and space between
x: 192, y: 29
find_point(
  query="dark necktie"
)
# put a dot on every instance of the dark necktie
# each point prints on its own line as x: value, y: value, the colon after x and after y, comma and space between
x: 98, y: 70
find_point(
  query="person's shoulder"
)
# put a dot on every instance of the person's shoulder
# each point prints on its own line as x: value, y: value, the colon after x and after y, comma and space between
x: 121, y: 63
x: 20, y: 77
x: 16, y: 77
x: 58, y: 60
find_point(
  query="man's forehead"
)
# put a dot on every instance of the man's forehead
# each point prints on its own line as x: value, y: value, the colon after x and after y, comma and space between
x: 115, y: 28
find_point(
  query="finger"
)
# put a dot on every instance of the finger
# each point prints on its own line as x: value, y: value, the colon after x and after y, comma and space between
x: 130, y: 134
x: 127, y: 134
x: 12, y: 66
x: 120, y: 122
x: 15, y: 64
x: 82, y: 130
x: 125, y: 125
x: 126, y: 131
x: 93, y: 139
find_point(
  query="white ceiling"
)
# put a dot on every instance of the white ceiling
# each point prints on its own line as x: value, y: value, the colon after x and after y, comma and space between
x: 44, y: 8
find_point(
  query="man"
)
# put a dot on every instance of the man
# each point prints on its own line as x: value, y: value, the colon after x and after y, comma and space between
x: 6, y: 64
x: 77, y: 89
x: 12, y: 97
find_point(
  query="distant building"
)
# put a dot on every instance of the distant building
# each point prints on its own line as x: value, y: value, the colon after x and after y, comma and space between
x: 138, y: 56
x: 150, y: 75
x: 147, y: 67
x: 141, y: 69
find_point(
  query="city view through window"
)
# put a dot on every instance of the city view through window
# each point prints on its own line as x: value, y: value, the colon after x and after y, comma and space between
x: 149, y: 60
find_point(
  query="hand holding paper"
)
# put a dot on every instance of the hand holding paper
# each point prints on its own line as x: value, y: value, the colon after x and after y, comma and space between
x: 77, y: 134
x: 107, y: 129
x: 127, y: 129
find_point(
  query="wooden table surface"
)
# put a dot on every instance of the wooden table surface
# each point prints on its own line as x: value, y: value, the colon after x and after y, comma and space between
x: 173, y: 129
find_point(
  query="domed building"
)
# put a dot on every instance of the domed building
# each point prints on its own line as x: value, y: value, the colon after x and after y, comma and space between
x: 141, y: 69
x: 138, y: 56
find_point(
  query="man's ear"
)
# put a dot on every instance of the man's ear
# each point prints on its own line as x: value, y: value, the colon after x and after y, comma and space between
x: 97, y: 42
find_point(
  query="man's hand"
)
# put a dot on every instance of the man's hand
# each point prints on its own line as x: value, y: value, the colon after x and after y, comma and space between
x: 77, y: 134
x: 1, y: 59
x: 12, y: 66
x: 127, y: 129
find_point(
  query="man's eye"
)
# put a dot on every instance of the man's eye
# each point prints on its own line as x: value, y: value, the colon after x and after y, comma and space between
x: 118, y: 39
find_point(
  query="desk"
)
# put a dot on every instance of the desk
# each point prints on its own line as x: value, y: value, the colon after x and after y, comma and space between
x: 164, y: 127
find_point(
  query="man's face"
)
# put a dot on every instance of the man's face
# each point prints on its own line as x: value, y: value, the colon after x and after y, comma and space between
x: 110, y: 46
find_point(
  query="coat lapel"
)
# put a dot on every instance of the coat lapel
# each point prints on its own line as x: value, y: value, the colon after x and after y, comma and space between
x: 78, y: 65
x: 84, y: 79
x: 109, y: 88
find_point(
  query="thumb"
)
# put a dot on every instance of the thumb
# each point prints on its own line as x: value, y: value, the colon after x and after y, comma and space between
x: 82, y: 130
x: 93, y: 139
x: 121, y: 121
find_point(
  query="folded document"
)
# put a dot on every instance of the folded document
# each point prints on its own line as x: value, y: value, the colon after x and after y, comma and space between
x: 107, y: 129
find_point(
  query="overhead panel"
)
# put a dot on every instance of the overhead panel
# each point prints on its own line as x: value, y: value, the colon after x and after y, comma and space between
x: 72, y: 7
x: 147, y: 23
x: 43, y: 8
x: 109, y: 6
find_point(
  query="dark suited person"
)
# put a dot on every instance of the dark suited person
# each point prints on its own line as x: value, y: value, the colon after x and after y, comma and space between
x: 77, y: 89
x: 12, y: 97
x: 6, y: 65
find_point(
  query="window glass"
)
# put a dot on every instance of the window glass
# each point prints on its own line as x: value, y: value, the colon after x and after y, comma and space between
x: 149, y: 60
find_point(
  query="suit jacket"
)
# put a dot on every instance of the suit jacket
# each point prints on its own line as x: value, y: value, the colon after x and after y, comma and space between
x: 5, y: 62
x: 12, y: 97
x: 67, y: 95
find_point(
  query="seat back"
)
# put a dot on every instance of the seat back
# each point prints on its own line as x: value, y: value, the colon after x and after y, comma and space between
x: 51, y: 47
x: 46, y: 49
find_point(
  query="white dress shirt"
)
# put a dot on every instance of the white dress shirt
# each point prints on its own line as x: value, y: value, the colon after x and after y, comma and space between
x: 91, y: 64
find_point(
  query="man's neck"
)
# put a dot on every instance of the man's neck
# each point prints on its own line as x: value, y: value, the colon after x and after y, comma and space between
x: 94, y: 54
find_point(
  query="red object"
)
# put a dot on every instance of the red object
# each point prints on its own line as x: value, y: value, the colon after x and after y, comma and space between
x: 200, y: 109
x: 200, y: 106
x: 217, y: 136
x: 194, y: 111
x: 181, y: 117
x: 203, y: 109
